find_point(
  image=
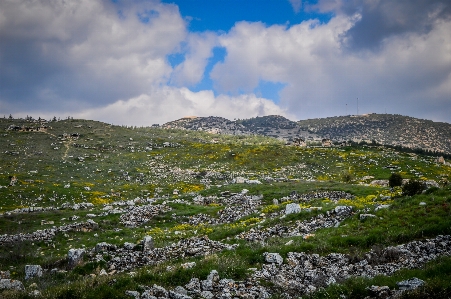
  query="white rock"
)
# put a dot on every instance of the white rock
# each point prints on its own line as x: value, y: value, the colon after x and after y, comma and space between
x: 292, y: 208
x: 273, y: 258
x: 11, y: 284
x: 75, y: 256
x: 32, y: 271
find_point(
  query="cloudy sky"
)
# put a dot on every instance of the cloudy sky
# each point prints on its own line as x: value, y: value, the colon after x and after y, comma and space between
x: 149, y: 61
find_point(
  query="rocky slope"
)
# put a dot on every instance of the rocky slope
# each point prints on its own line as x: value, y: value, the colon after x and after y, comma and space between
x: 387, y: 129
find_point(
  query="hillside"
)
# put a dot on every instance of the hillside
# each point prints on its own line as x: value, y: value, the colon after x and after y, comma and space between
x: 93, y: 210
x: 386, y: 129
x: 396, y: 130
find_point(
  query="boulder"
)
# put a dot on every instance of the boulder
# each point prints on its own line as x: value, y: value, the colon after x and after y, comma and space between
x: 410, y: 284
x: 273, y: 258
x: 11, y: 284
x: 32, y: 271
x: 343, y: 210
x: 292, y: 208
x: 147, y: 243
x: 134, y: 294
x: 366, y: 216
x: 75, y: 256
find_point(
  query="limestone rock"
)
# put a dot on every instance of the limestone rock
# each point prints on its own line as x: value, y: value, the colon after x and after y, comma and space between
x: 32, y: 271
x: 292, y: 208
x: 147, y: 243
x: 75, y: 256
x: 410, y: 284
x: 11, y: 284
x: 273, y: 258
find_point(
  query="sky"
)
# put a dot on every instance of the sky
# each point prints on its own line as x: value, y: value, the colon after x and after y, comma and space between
x: 144, y: 62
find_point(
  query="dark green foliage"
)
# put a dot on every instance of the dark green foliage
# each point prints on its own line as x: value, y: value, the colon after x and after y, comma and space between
x: 395, y: 180
x: 413, y: 187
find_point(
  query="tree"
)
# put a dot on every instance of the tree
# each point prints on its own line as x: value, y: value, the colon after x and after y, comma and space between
x: 413, y: 187
x: 395, y: 180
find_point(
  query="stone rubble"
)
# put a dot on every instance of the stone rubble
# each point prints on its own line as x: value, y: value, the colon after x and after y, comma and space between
x: 300, y: 228
x: 48, y: 234
x: 304, y: 273
x: 75, y: 256
x: 11, y: 284
x: 212, y: 287
x: 32, y: 271
x: 137, y: 215
x: 122, y: 259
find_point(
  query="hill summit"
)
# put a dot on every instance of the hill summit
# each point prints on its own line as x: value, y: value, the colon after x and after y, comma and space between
x: 385, y: 129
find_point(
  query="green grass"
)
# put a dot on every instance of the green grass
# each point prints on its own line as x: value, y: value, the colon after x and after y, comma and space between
x: 200, y: 167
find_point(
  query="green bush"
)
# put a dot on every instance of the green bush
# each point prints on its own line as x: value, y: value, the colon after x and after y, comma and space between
x: 395, y: 180
x: 413, y: 187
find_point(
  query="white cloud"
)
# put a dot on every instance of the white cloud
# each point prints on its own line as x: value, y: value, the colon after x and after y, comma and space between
x: 410, y: 75
x: 93, y: 52
x: 170, y: 103
x: 199, y: 50
x: 297, y: 4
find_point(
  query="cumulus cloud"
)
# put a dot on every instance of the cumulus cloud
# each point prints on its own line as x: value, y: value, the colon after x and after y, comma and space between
x: 379, y: 20
x: 199, y: 48
x: 410, y: 74
x: 93, y: 52
x: 147, y: 109
x: 109, y: 61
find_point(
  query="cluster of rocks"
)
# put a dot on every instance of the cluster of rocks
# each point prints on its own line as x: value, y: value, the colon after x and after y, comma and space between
x: 212, y: 287
x: 332, y: 195
x: 78, y: 206
x: 300, y: 228
x: 137, y: 215
x: 131, y: 256
x: 237, y: 207
x: 304, y: 273
x: 48, y: 234
x: 201, y: 219
x: 386, y: 293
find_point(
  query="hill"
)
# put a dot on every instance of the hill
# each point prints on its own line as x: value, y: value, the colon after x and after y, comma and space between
x: 385, y: 129
x: 93, y: 210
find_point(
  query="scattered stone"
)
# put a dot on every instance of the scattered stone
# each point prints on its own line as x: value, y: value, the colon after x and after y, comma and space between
x: 380, y: 292
x: 422, y: 203
x: 129, y: 246
x: 147, y: 243
x: 273, y: 258
x: 137, y: 215
x: 75, y: 256
x: 343, y: 210
x: 366, y: 216
x: 292, y: 208
x: 380, y: 207
x: 188, y: 265
x: 134, y: 294
x: 32, y: 271
x: 410, y: 284
x: 11, y: 284
x: 5, y: 274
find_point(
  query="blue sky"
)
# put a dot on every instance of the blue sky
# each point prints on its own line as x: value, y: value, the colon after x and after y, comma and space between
x: 141, y: 62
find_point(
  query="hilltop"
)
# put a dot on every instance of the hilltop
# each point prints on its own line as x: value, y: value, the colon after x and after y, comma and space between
x: 93, y: 210
x: 385, y: 129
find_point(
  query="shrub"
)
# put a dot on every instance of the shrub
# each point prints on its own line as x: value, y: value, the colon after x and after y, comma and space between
x: 413, y: 187
x: 395, y: 180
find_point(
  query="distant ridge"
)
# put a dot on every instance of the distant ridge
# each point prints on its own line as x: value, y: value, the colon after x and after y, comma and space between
x: 386, y: 129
